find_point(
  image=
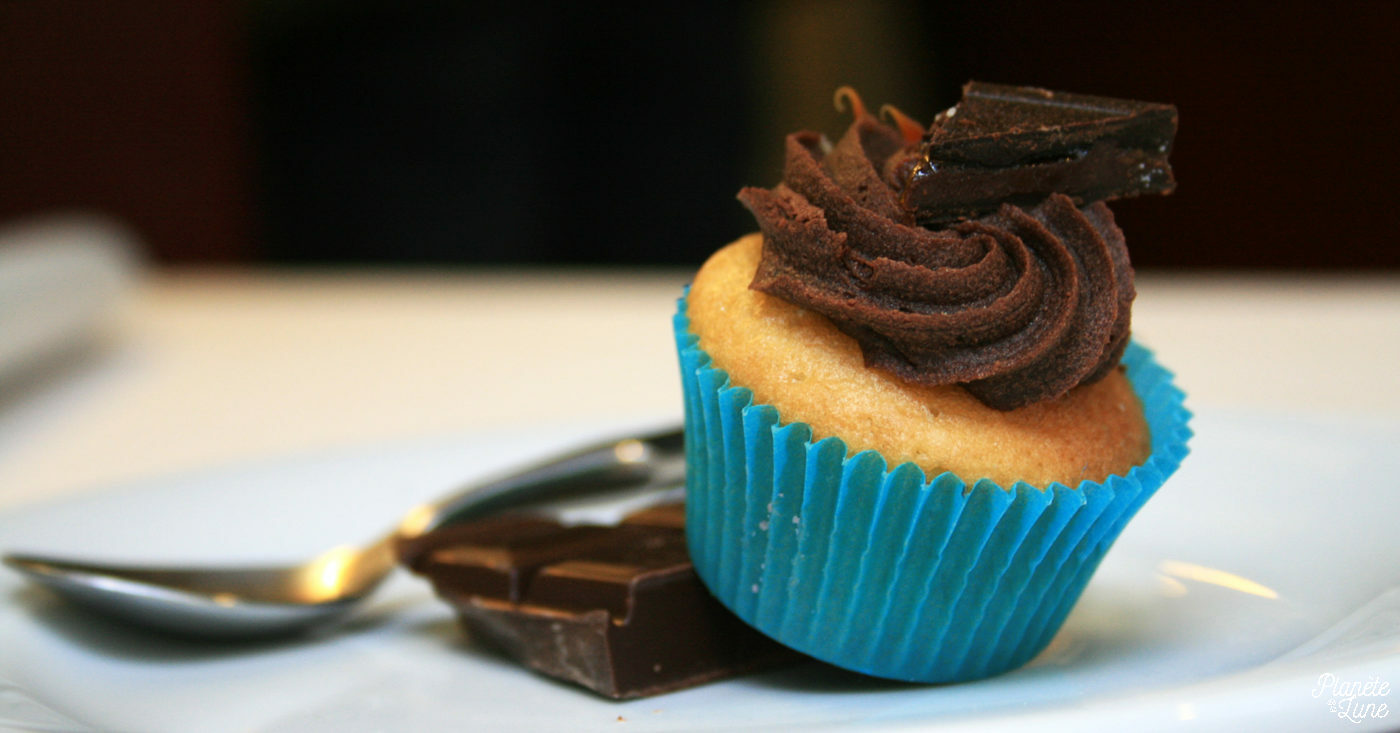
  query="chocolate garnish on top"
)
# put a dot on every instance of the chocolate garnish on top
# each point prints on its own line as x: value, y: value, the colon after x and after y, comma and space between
x: 1005, y: 144
x: 1019, y: 305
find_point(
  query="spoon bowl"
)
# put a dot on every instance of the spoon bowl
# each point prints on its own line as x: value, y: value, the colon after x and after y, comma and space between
x: 247, y: 602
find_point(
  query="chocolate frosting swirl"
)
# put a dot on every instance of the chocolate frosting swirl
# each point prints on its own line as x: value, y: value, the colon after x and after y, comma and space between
x: 1017, y: 306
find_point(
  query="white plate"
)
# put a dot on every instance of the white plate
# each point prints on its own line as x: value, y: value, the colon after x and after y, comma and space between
x: 1260, y: 587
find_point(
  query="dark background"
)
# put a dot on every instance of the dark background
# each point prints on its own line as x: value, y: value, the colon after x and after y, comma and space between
x: 434, y: 132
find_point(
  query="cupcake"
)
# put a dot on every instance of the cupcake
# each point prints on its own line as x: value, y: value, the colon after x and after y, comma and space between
x: 915, y: 417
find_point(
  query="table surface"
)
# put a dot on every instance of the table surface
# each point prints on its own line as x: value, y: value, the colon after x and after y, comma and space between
x: 201, y: 368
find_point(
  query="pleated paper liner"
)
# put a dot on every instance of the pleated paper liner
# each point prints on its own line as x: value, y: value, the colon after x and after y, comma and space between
x: 885, y: 571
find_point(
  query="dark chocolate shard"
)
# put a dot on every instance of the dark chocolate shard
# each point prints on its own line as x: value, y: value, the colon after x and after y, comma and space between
x: 1006, y: 144
x: 618, y: 609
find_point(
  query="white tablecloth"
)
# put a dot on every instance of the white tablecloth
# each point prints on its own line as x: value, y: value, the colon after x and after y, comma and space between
x: 203, y: 368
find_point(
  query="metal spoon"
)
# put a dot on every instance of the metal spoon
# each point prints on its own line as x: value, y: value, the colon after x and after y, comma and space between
x: 243, y: 602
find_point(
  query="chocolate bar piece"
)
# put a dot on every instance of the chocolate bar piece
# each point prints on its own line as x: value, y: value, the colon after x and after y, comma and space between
x: 1020, y: 144
x: 616, y: 609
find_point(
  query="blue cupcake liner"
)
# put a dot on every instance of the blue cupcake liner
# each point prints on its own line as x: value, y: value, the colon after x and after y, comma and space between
x: 884, y: 571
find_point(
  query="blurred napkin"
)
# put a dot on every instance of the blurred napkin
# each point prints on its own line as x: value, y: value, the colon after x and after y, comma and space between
x: 59, y: 276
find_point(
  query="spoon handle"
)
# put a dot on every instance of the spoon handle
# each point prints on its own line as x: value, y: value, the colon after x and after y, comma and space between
x: 657, y: 459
